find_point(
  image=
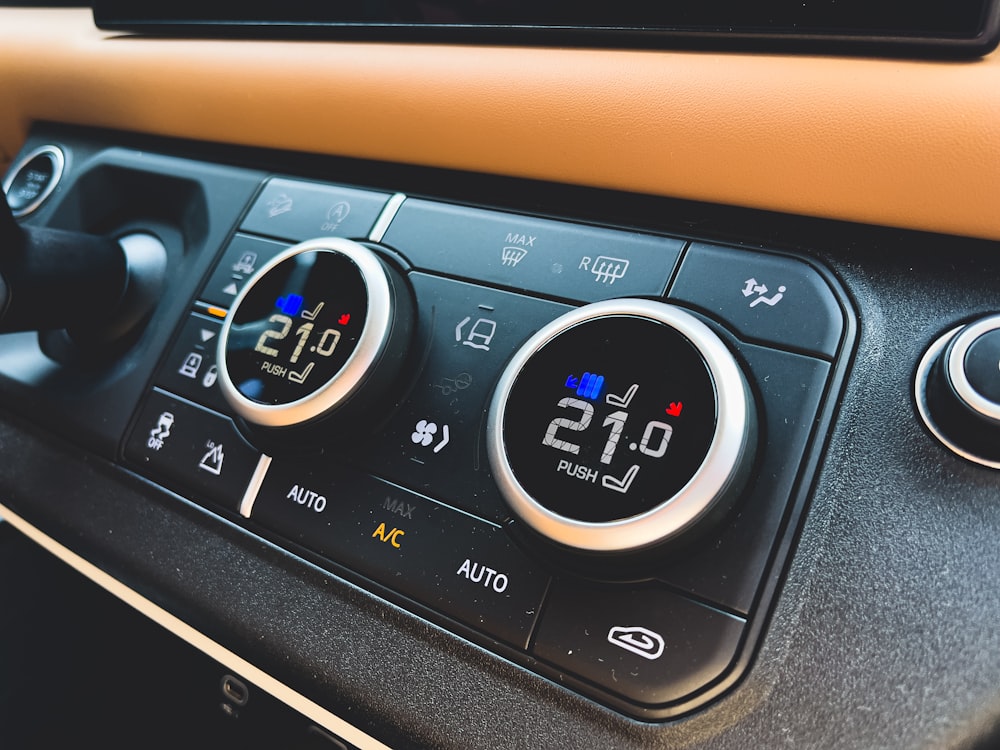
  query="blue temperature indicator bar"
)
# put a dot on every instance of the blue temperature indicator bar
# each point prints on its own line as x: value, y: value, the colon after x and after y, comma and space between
x: 290, y: 304
x: 589, y: 386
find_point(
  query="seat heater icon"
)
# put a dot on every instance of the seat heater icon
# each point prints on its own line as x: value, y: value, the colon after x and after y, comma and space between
x: 645, y: 643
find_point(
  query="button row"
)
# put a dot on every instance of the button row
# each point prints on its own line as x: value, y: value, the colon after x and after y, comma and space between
x: 445, y: 559
x: 297, y: 211
x: 572, y: 261
x: 192, y: 450
x: 766, y: 298
x: 645, y: 644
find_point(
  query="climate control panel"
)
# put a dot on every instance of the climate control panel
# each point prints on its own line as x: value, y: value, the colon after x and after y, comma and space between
x: 584, y: 447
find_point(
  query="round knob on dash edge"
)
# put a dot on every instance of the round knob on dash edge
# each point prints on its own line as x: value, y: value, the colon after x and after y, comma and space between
x: 957, y: 390
x: 621, y: 425
x: 33, y: 179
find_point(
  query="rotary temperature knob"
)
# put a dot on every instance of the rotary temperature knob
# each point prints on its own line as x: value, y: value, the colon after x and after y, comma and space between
x: 319, y: 331
x: 621, y: 425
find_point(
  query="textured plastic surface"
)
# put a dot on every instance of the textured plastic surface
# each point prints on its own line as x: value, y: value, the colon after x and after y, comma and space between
x: 123, y: 674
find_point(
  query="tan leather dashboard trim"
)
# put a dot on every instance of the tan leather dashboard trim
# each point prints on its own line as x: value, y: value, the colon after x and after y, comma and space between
x: 893, y: 142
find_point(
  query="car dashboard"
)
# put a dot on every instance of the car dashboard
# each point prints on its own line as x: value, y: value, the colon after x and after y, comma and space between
x: 475, y: 395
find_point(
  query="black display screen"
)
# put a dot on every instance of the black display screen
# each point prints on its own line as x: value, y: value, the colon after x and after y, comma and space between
x: 296, y: 327
x: 610, y: 418
x: 971, y: 21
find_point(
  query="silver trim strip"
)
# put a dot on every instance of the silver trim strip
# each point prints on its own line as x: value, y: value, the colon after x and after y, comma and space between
x: 956, y: 368
x: 724, y: 465
x: 371, y: 343
x: 385, y: 218
x: 203, y: 643
x: 920, y: 396
x: 250, y: 496
x: 58, y: 166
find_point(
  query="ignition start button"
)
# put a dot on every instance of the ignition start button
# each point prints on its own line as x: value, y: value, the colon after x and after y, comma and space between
x: 620, y: 425
x: 32, y: 179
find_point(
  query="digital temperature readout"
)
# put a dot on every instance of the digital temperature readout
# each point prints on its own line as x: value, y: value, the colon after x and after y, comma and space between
x: 318, y: 333
x: 620, y: 425
x: 296, y: 327
x: 609, y: 418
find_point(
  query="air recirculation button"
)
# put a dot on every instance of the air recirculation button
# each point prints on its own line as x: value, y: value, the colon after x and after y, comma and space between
x: 621, y: 425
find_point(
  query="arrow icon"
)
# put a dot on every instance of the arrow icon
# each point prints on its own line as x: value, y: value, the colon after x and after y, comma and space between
x: 231, y: 289
x: 444, y: 440
x: 207, y: 335
x: 573, y: 382
x: 751, y: 287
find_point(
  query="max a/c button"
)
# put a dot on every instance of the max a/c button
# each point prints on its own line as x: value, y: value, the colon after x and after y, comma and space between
x: 643, y: 643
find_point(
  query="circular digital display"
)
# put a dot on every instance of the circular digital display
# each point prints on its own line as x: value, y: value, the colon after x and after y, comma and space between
x: 620, y: 425
x: 303, y: 333
x: 609, y: 418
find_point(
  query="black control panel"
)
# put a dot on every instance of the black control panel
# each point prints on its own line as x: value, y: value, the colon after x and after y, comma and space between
x: 584, y: 447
